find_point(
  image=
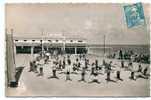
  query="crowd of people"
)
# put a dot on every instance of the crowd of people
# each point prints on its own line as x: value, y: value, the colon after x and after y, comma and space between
x: 130, y: 55
x: 81, y: 65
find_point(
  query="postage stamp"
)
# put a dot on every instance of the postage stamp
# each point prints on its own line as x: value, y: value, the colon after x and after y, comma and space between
x: 134, y: 14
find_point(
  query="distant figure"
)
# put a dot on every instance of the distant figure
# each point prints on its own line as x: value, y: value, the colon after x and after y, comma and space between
x: 132, y: 72
x: 60, y: 65
x: 82, y: 63
x: 139, y: 68
x: 35, y: 67
x: 36, y: 70
x: 77, y: 64
x: 46, y: 59
x: 92, y: 69
x: 141, y: 74
x: 41, y: 71
x: 104, y: 62
x: 94, y: 78
x: 83, y: 75
x: 80, y: 56
x: 64, y: 63
x: 120, y: 54
x: 129, y: 65
x: 31, y: 66
x: 145, y: 71
x: 68, y: 70
x: 68, y: 60
x: 118, y: 73
x: 108, y: 75
x: 74, y: 69
x: 86, y: 63
x: 96, y: 64
x: 108, y: 68
x: 54, y: 71
x: 68, y: 76
x: 122, y: 64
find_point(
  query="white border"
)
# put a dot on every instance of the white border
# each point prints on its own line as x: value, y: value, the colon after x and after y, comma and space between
x: 75, y: 1
x: 2, y: 38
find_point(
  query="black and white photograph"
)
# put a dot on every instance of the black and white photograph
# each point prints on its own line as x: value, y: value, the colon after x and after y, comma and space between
x: 77, y: 49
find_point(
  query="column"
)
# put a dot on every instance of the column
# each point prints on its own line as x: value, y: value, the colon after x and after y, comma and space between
x: 15, y: 50
x: 32, y: 52
x: 75, y: 50
x: 63, y: 48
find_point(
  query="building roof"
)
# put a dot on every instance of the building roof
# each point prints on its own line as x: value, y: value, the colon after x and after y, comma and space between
x: 48, y: 36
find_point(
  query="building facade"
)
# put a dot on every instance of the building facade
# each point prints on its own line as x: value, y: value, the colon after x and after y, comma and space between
x: 51, y: 43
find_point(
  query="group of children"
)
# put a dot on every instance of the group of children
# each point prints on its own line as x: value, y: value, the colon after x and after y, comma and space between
x: 81, y: 65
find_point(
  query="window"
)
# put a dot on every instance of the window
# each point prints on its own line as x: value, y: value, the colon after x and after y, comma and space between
x: 23, y: 49
x: 56, y: 40
x: 71, y: 40
x: 25, y: 40
x: 16, y: 40
x: 80, y: 41
x: 33, y: 40
x: 40, y: 40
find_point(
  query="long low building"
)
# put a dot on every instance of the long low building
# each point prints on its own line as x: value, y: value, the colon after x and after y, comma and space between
x: 60, y: 43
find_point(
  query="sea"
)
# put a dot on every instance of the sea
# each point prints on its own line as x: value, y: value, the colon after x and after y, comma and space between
x: 110, y: 49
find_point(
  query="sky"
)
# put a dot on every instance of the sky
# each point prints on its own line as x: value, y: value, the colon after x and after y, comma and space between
x: 90, y: 21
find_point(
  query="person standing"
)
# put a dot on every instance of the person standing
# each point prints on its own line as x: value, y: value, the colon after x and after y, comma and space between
x: 145, y: 71
x: 103, y: 63
x: 54, y: 71
x: 41, y: 71
x: 60, y: 65
x: 64, y: 63
x: 120, y: 54
x: 77, y: 64
x: 108, y: 68
x: 86, y: 63
x: 96, y: 64
x: 92, y: 69
x: 83, y: 75
x: 132, y: 71
x: 118, y: 73
x: 82, y: 62
x: 35, y: 65
x: 31, y: 66
x: 68, y: 70
x: 122, y: 63
x: 139, y: 68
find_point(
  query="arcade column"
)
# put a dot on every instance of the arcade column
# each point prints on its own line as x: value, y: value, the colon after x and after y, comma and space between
x: 75, y: 50
x: 32, y: 52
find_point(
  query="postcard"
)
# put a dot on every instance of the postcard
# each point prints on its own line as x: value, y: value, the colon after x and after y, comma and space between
x: 77, y: 49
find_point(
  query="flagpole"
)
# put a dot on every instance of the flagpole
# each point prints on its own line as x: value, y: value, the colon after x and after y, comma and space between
x: 64, y: 43
x: 104, y: 44
x: 42, y: 44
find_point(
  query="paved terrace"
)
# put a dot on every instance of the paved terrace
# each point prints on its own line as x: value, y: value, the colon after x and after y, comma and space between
x: 31, y: 85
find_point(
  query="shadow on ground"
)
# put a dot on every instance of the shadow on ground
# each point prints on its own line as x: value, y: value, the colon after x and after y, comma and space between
x: 19, y: 70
